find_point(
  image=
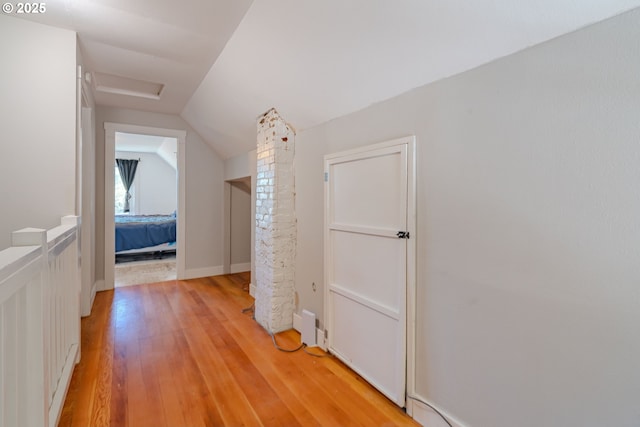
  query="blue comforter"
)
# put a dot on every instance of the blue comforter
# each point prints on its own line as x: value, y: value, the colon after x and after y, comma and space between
x: 141, y: 231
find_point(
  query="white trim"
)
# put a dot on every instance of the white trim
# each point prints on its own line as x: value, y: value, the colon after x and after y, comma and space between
x: 226, y: 238
x: 410, y: 157
x: 412, y: 248
x: 100, y: 285
x: 110, y: 130
x: 240, y: 268
x: 426, y: 416
x: 320, y: 339
x: 88, y: 305
x: 384, y: 310
x: 94, y: 289
x: 357, y: 153
x: 195, y: 273
x: 87, y: 92
x: 297, y: 325
x: 181, y: 242
x: 79, y: 102
x: 57, y: 401
x: 297, y: 322
x: 109, y: 208
x: 85, y: 190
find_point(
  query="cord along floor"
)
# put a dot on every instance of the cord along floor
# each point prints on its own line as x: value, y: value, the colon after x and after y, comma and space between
x: 183, y: 353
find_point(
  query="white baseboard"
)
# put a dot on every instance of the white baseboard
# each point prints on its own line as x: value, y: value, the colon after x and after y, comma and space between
x: 252, y: 290
x: 297, y: 325
x: 100, y: 285
x: 426, y: 416
x: 195, y: 273
x: 320, y: 339
x: 94, y: 289
x: 239, y: 268
x: 86, y: 311
x: 297, y: 322
x: 57, y: 401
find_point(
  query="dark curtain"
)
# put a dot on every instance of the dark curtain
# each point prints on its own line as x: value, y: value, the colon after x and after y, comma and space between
x: 127, y: 170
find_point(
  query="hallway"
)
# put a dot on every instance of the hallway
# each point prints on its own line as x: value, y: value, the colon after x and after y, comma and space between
x: 183, y: 353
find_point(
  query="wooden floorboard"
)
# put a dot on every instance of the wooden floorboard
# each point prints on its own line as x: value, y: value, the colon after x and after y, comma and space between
x: 183, y: 353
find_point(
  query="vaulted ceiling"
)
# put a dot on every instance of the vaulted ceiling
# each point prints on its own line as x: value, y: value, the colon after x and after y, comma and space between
x: 221, y: 63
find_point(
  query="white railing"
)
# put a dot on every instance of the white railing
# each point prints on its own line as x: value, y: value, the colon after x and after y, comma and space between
x: 39, y: 323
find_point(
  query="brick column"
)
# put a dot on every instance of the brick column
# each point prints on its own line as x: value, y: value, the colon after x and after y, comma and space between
x: 275, y: 224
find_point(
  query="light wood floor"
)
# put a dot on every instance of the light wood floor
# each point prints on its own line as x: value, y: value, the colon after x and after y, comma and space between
x: 182, y: 353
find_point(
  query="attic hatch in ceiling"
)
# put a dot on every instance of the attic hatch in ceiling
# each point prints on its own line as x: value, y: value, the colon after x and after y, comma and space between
x: 109, y: 83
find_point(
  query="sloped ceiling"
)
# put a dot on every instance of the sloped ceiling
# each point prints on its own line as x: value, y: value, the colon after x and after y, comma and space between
x: 170, y: 42
x: 318, y: 60
x: 224, y: 62
x: 164, y: 147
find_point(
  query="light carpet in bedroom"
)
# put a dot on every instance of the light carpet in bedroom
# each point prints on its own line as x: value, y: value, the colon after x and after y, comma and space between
x: 139, y: 272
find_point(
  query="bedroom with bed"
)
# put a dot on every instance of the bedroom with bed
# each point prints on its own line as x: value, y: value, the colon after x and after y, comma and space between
x: 145, y: 209
x: 143, y: 237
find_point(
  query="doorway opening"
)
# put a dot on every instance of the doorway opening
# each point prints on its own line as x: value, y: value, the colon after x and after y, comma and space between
x: 238, y: 235
x: 144, y: 204
x: 239, y: 227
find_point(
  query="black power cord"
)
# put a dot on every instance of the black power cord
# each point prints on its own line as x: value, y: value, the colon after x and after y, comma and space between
x: 302, y: 347
x: 251, y: 308
x: 313, y: 354
x: 434, y: 409
x: 287, y: 350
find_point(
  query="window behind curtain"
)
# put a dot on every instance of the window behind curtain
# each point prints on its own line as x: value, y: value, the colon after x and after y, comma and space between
x: 120, y: 193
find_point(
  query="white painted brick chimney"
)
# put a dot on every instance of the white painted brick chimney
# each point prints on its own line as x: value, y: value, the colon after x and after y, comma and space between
x: 275, y: 224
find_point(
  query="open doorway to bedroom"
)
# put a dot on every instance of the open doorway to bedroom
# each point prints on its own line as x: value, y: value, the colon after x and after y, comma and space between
x: 145, y: 206
x: 144, y: 203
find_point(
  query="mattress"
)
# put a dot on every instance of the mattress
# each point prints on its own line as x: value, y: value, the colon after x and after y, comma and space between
x: 141, y: 231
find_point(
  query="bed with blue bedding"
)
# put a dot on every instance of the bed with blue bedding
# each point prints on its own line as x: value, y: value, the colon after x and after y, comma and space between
x: 145, y: 233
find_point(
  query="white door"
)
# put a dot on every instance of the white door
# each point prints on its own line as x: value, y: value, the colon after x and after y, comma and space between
x: 366, y: 245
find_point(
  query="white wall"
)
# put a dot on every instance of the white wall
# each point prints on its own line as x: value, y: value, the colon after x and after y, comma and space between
x: 528, y: 228
x: 37, y: 121
x: 240, y: 166
x: 204, y: 189
x: 156, y: 183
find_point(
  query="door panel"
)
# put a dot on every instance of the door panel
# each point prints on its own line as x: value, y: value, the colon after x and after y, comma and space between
x: 366, y: 263
x: 373, y: 201
x: 364, y: 352
x: 371, y: 276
